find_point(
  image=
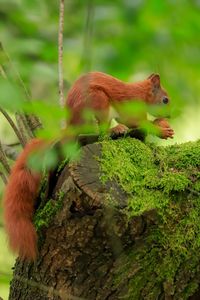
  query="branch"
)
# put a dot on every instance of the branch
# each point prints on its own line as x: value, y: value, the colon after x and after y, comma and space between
x: 24, y: 127
x: 20, y: 82
x: 3, y: 177
x: 17, y: 75
x: 13, y: 144
x: 2, y: 72
x: 14, y: 127
x: 33, y: 122
x: 10, y: 152
x: 4, y: 160
x: 60, y: 53
x: 88, y: 33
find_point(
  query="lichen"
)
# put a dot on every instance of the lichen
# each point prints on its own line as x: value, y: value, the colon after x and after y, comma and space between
x: 167, y: 180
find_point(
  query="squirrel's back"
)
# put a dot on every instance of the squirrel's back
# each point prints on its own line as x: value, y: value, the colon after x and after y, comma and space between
x: 97, y: 91
x: 91, y: 81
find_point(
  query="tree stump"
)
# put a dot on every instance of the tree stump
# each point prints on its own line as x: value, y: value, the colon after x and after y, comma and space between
x: 121, y: 223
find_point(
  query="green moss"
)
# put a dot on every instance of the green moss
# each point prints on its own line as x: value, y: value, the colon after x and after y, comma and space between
x: 171, y: 181
x: 44, y: 215
x: 168, y: 180
x: 43, y: 188
x: 184, y: 156
x: 196, y: 186
x: 62, y: 165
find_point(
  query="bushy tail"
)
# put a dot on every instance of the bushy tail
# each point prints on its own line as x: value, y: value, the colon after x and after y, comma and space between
x: 19, y: 198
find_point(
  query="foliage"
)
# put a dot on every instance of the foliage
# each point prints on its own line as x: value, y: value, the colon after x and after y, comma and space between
x: 146, y: 36
x: 128, y: 39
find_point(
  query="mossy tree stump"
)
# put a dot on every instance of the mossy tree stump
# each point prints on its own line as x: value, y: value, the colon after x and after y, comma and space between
x: 122, y: 223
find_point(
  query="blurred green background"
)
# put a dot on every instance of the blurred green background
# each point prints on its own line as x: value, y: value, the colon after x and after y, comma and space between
x: 125, y: 38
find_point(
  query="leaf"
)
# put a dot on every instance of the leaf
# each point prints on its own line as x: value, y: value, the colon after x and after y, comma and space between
x: 11, y: 97
x: 51, y: 115
x: 134, y: 108
x: 160, y: 110
x: 44, y: 159
x: 71, y: 150
x: 149, y: 128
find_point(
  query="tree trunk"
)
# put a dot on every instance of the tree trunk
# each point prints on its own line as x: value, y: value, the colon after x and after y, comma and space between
x: 122, y: 223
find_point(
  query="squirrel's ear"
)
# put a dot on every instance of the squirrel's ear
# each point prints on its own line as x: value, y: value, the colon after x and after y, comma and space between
x: 150, y: 76
x: 155, y: 80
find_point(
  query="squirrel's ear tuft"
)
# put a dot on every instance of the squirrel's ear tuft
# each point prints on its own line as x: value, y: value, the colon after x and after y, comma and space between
x: 155, y: 80
x: 150, y: 76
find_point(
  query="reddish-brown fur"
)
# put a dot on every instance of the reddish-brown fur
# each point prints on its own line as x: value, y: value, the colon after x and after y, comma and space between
x: 19, y: 198
x: 164, y: 127
x: 97, y: 91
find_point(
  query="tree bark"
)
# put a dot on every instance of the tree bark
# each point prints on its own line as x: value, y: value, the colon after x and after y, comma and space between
x: 92, y: 247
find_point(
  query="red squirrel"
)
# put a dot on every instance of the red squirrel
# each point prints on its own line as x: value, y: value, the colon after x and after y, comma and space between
x: 98, y: 92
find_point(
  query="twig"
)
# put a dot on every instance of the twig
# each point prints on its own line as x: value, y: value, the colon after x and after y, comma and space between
x: 18, y: 76
x: 2, y: 72
x: 4, y: 160
x: 88, y: 34
x: 21, y: 84
x: 24, y: 127
x: 60, y: 53
x: 10, y: 152
x: 33, y: 122
x: 21, y: 127
x: 27, y: 125
x: 3, y: 177
x: 13, y: 144
x: 14, y: 127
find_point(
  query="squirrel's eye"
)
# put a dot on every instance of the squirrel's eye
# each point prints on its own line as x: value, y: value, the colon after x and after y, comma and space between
x: 165, y: 100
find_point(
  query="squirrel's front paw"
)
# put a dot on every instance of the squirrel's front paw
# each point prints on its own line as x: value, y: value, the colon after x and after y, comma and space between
x: 165, y: 130
x: 119, y: 130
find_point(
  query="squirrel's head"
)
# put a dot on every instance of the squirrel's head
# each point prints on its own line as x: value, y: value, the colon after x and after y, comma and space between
x: 156, y: 94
